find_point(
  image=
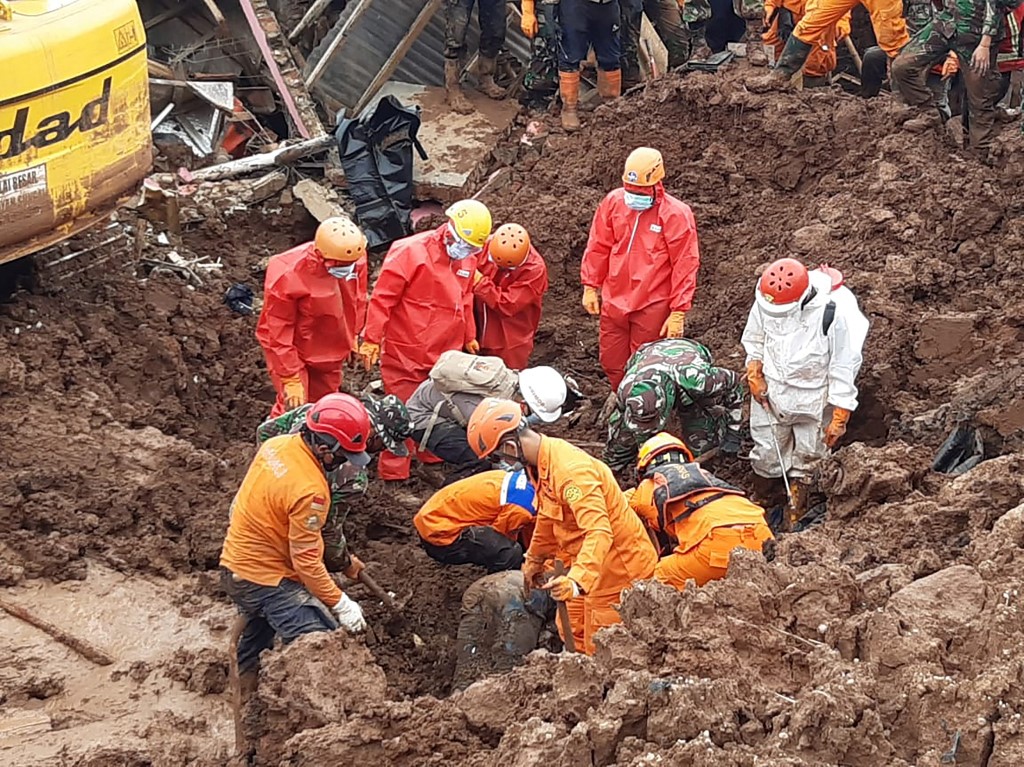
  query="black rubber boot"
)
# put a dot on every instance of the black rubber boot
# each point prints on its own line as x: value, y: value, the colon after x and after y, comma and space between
x: 873, y: 71
x: 793, y: 57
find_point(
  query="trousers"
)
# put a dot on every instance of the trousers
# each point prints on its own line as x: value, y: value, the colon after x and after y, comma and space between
x: 483, y: 546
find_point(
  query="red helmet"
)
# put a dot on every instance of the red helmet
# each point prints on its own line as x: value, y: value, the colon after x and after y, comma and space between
x: 343, y: 419
x: 782, y: 285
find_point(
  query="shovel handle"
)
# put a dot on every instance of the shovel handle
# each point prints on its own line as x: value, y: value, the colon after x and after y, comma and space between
x: 563, y: 613
x: 374, y: 588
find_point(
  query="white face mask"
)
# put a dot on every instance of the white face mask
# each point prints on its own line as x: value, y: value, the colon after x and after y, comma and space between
x: 638, y: 201
x: 343, y: 272
x: 460, y: 249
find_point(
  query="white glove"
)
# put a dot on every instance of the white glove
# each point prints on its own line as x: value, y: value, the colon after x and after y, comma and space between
x: 349, y: 615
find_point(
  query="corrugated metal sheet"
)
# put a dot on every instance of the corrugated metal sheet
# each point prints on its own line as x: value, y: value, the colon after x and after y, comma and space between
x: 377, y: 33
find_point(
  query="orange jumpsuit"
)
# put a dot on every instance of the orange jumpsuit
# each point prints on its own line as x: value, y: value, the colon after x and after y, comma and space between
x: 703, y: 540
x: 822, y: 60
x: 583, y: 516
x: 471, y: 502
x: 821, y: 17
x: 275, y: 520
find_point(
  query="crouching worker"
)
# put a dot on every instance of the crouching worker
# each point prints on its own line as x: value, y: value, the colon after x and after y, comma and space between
x: 272, y: 560
x: 477, y: 520
x: 697, y: 518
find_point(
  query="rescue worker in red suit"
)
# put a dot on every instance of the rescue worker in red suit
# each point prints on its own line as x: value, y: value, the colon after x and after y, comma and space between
x: 422, y: 306
x: 639, y: 271
x: 314, y: 298
x: 509, y: 286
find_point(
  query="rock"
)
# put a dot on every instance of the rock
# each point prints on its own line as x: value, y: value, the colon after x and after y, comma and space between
x: 811, y: 239
x: 941, y: 603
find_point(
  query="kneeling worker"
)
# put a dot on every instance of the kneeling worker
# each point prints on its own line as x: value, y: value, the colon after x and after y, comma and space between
x: 476, y: 520
x: 581, y: 511
x: 696, y: 517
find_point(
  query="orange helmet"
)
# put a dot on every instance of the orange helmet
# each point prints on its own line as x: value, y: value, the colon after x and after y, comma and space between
x: 660, y: 444
x: 782, y: 285
x: 644, y: 167
x: 338, y: 239
x: 491, y: 422
x: 509, y: 246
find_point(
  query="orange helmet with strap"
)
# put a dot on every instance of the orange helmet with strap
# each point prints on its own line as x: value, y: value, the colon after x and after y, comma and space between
x: 509, y: 246
x: 658, y: 445
x: 338, y: 239
x: 493, y: 420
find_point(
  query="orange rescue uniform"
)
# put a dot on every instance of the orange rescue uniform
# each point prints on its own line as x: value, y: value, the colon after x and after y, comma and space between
x: 822, y: 60
x: 276, y: 516
x: 703, y: 540
x: 583, y: 516
x: 821, y: 17
x: 471, y: 502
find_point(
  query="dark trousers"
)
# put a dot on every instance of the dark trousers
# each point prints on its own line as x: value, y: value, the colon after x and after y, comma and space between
x: 286, y: 610
x: 584, y: 24
x: 448, y: 442
x: 492, y: 27
x: 724, y: 27
x: 482, y: 546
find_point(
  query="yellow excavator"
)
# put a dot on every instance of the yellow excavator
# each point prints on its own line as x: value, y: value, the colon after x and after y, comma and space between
x: 74, y: 117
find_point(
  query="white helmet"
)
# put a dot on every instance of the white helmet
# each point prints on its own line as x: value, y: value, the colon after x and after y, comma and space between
x: 544, y: 390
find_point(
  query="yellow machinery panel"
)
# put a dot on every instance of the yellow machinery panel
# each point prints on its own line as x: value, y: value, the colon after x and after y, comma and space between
x: 74, y: 116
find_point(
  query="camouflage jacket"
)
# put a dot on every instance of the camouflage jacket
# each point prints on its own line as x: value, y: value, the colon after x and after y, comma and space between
x: 919, y: 13
x: 969, y: 20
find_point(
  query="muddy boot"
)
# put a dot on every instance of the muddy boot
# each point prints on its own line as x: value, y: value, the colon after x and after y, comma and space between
x: 928, y: 119
x: 609, y: 84
x: 569, y: 88
x: 756, y: 55
x: 485, y: 69
x: 454, y: 96
x: 793, y: 58
x: 800, y: 490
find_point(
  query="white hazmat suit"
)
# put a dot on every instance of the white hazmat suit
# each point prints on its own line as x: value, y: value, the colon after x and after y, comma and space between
x: 808, y: 371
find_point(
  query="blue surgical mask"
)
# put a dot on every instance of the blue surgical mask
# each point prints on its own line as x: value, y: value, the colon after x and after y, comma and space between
x: 638, y: 201
x: 343, y: 272
x: 460, y: 249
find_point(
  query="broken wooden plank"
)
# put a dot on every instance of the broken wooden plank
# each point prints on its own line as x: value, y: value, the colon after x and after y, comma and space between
x: 167, y: 15
x: 281, y: 156
x: 315, y: 11
x: 283, y: 72
x: 218, y: 17
x: 83, y: 648
x: 333, y: 46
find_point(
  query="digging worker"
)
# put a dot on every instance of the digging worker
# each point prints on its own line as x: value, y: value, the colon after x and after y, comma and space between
x: 679, y: 25
x: 442, y: 405
x: 781, y: 17
x: 272, y: 560
x: 803, y: 355
x: 818, y: 26
x: 493, y: 19
x: 639, y: 270
x: 478, y: 520
x: 314, y: 299
x: 509, y: 286
x: 972, y: 30
x: 675, y: 376
x: 697, y: 518
x: 389, y: 429
x: 583, y: 518
x: 422, y: 305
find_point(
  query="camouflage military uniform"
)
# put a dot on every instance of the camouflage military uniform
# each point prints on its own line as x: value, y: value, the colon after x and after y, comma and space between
x: 959, y: 27
x: 390, y: 421
x: 674, y: 375
x: 681, y: 29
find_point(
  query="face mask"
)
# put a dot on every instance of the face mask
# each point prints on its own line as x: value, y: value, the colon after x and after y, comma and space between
x: 460, y: 249
x: 638, y: 201
x: 343, y: 272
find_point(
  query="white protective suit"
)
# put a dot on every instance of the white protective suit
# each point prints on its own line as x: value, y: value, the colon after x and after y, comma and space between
x: 808, y: 372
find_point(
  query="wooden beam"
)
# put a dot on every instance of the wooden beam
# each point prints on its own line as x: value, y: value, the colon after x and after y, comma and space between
x: 167, y: 15
x: 218, y: 17
x: 315, y: 11
x: 336, y: 42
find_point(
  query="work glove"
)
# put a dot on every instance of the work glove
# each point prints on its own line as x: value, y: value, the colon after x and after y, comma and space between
x: 837, y: 428
x: 731, y: 443
x: 950, y: 66
x: 294, y: 392
x: 529, y: 20
x: 532, y: 569
x: 369, y: 353
x: 591, y: 302
x: 349, y: 615
x: 756, y: 383
x: 477, y: 276
x: 562, y: 589
x: 473, y: 347
x: 355, y: 566
x: 673, y: 326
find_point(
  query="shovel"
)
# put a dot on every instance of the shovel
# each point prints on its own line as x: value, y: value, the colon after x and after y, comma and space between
x: 563, y: 612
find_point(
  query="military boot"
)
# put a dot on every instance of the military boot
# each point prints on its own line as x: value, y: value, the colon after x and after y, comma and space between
x: 793, y: 57
x: 485, y: 69
x: 928, y: 119
x: 454, y: 96
x: 569, y: 87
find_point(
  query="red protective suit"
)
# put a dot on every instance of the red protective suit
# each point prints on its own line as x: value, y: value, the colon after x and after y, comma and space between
x: 422, y: 306
x: 304, y: 327
x: 507, y: 308
x: 645, y: 265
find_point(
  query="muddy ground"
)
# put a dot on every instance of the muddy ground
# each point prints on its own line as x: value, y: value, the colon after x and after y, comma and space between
x: 882, y: 637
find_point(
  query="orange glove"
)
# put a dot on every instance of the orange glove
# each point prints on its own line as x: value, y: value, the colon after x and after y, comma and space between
x: 756, y: 383
x: 836, y: 429
x: 355, y: 567
x: 563, y: 588
x: 473, y: 347
x: 950, y: 66
x: 673, y: 327
x: 477, y: 276
x: 369, y: 353
x: 591, y: 302
x: 294, y: 392
x: 529, y: 21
